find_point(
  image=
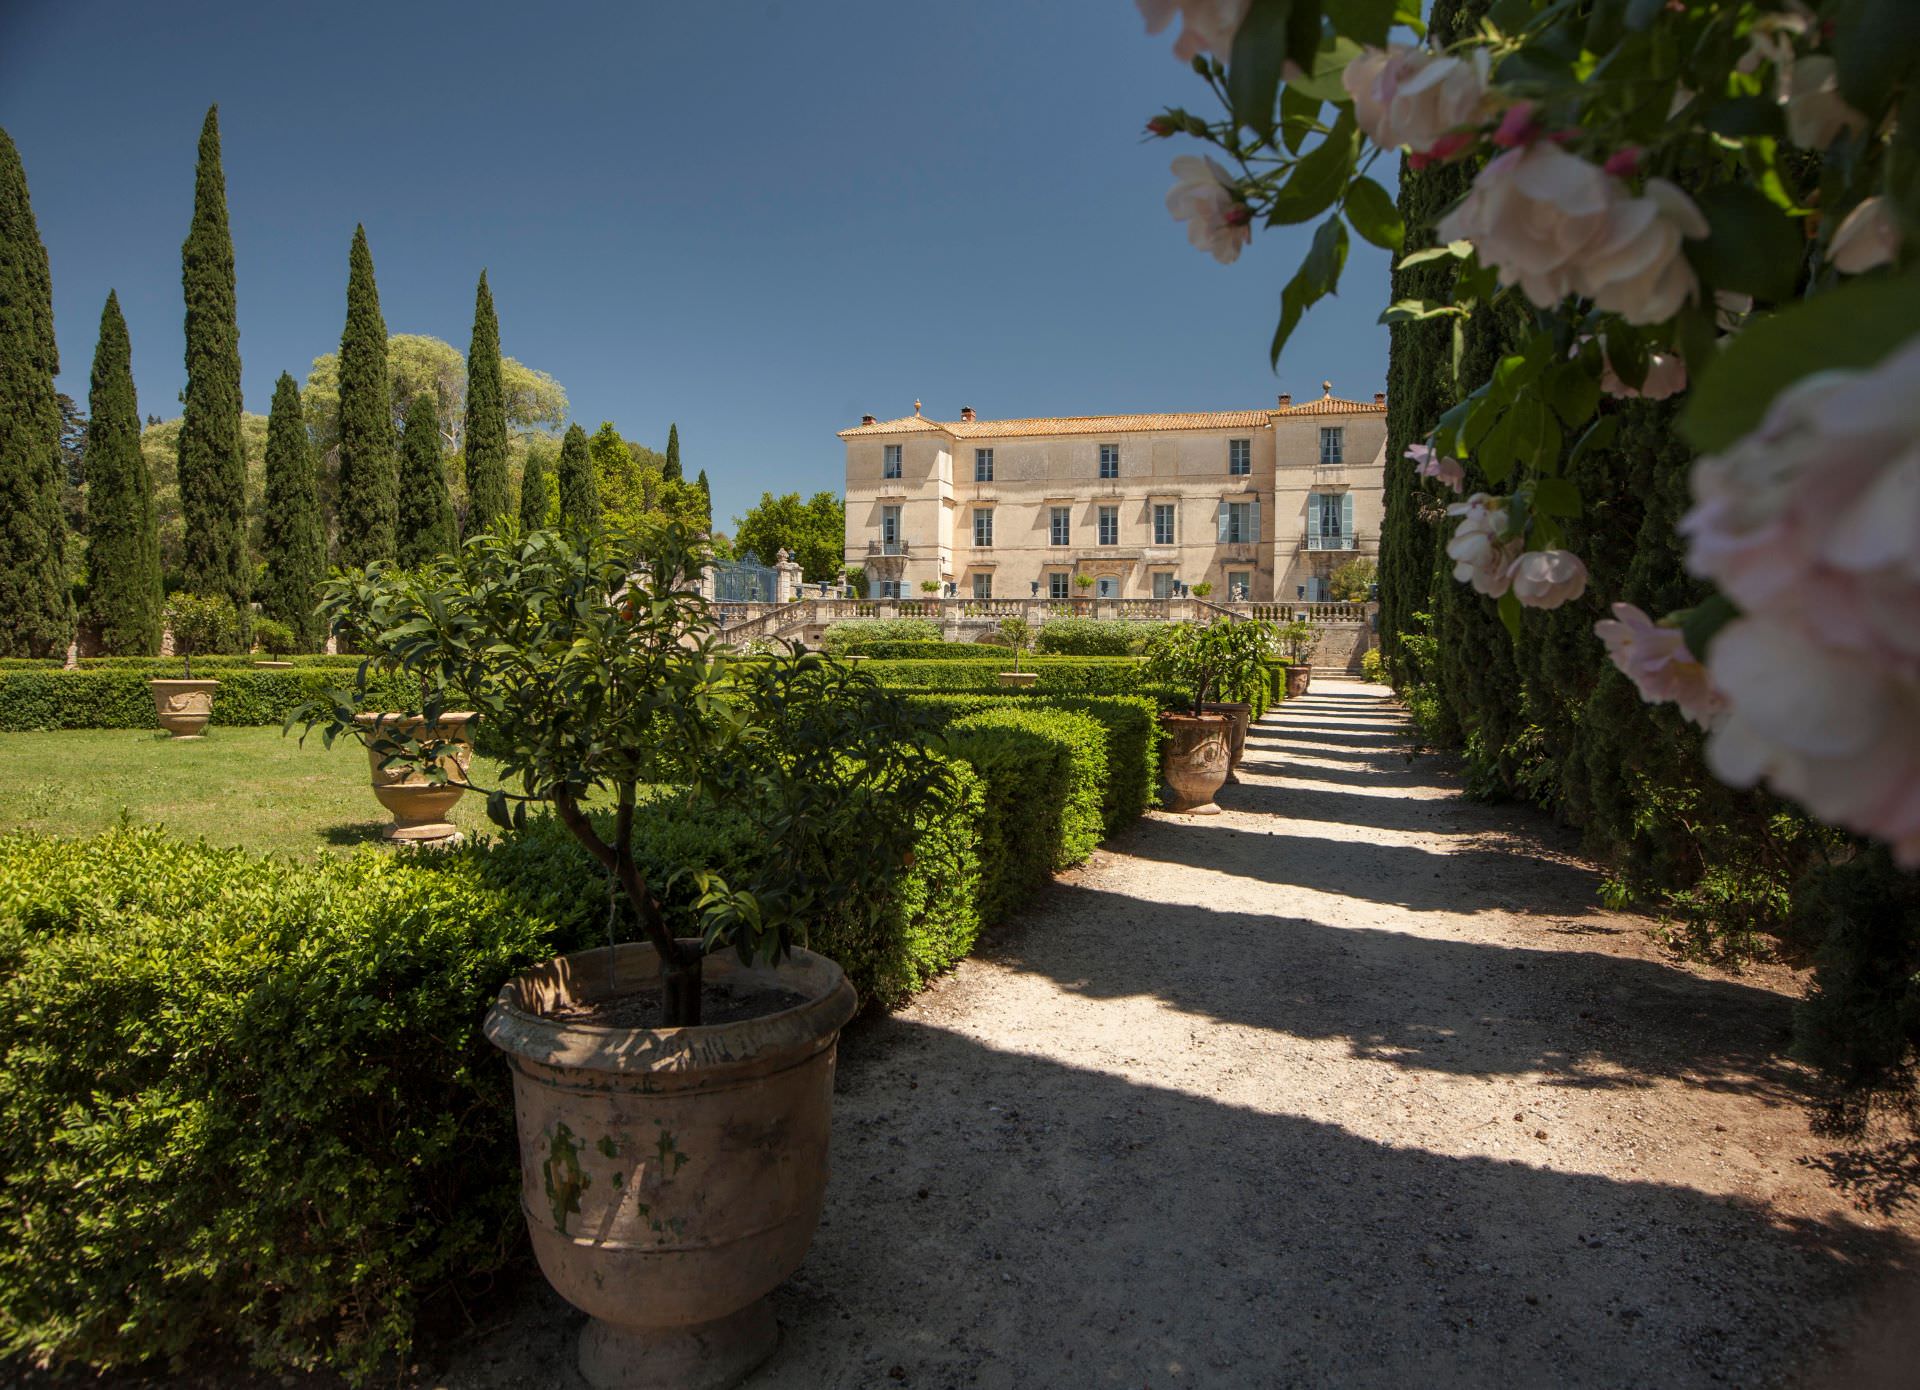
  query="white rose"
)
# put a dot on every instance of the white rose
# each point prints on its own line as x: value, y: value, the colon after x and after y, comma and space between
x: 1203, y: 199
x: 1637, y: 268
x: 1409, y: 96
x: 1548, y: 578
x: 1210, y: 25
x: 1657, y: 661
x: 1666, y: 376
x: 1479, y: 556
x: 1867, y: 238
x: 1816, y: 112
x: 1533, y: 214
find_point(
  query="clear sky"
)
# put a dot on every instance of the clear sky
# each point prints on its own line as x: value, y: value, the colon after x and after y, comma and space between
x: 757, y: 219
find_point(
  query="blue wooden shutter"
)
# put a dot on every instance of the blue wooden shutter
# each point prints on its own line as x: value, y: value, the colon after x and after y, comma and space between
x: 1222, y: 537
x: 1346, y: 516
x: 1255, y: 512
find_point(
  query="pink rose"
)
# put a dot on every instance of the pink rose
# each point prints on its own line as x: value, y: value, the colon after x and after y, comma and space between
x: 1816, y: 112
x: 1867, y: 238
x: 1657, y: 661
x: 1637, y: 269
x: 1203, y: 199
x: 1416, y: 98
x: 1427, y: 464
x: 1208, y: 25
x: 1666, y: 376
x: 1535, y: 214
x: 1480, y: 557
x: 1548, y: 578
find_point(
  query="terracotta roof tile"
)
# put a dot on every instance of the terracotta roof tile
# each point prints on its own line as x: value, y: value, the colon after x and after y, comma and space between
x: 1332, y: 405
x: 1110, y: 424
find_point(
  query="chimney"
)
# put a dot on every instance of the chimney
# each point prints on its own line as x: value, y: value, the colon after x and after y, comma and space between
x: 1379, y: 397
x: 966, y: 413
x: 868, y: 420
x: 1286, y: 399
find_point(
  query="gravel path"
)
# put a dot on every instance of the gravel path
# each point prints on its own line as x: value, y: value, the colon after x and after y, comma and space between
x: 1350, y: 1085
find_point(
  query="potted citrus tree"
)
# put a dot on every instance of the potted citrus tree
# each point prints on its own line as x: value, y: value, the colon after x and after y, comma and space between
x: 1195, y: 762
x: 1297, y: 640
x: 1016, y: 633
x: 1235, y: 655
x: 200, y: 624
x: 673, y: 1094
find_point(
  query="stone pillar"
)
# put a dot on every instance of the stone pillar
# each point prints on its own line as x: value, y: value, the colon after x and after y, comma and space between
x: 708, y: 582
x: 786, y: 578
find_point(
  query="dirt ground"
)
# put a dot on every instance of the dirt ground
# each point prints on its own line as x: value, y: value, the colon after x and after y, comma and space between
x: 1351, y: 1085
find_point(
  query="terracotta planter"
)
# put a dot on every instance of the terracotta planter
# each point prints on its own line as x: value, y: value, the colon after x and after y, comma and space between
x: 1018, y: 680
x: 671, y: 1177
x: 1239, y: 715
x: 420, y: 807
x: 1194, y: 762
x: 184, y: 706
x: 1298, y: 679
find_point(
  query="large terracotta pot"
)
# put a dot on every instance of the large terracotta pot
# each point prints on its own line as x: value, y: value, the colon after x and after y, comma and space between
x: 420, y: 806
x: 1239, y: 714
x: 1194, y: 762
x: 1298, y: 679
x: 184, y: 706
x: 671, y: 1177
x: 1018, y: 680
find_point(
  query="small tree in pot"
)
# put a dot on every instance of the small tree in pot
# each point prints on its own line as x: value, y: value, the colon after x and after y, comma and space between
x: 201, y: 624
x: 1196, y: 761
x: 1018, y: 634
x: 1296, y: 641
x: 671, y: 1175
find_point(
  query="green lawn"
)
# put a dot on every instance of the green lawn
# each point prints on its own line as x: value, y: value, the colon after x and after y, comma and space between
x: 243, y: 786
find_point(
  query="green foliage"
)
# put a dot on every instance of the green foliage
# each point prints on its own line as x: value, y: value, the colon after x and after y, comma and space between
x: 1059, y: 675
x: 275, y: 638
x: 118, y: 698
x: 1090, y: 637
x: 424, y: 514
x: 213, y: 471
x: 36, y: 611
x: 1015, y: 633
x: 1297, y: 639
x: 1373, y: 670
x: 579, y: 498
x: 202, y: 623
x: 293, y: 548
x: 1223, y: 661
x: 539, y: 492
x: 1353, y: 581
x: 485, y: 439
x: 703, y: 487
x: 246, y: 1099
x: 926, y: 651
x: 670, y: 470
x: 856, y: 632
x: 368, y: 505
x: 813, y: 532
x: 124, y: 595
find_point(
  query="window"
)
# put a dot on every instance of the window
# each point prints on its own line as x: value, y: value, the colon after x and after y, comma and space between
x: 1240, y: 584
x: 890, y: 466
x: 1240, y: 456
x: 1239, y: 522
x: 983, y: 527
x: 1057, y: 584
x: 1163, y: 525
x: 1109, y: 526
x: 983, y: 586
x: 892, y: 588
x: 1163, y: 582
x: 890, y: 526
x: 1107, y: 587
x: 1330, y: 521
x: 1317, y: 589
x: 983, y: 465
x: 1330, y: 443
x: 1109, y: 460
x: 1060, y: 525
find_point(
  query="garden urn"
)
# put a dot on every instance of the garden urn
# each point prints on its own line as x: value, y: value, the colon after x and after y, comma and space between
x: 184, y: 706
x: 1018, y: 680
x: 672, y: 1177
x: 1298, y: 679
x: 1195, y: 761
x: 1239, y: 715
x: 420, y: 806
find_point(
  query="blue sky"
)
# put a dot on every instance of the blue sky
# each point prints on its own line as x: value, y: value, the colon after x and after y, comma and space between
x: 756, y: 219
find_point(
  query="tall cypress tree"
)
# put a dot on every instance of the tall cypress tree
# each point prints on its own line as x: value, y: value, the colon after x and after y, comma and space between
x: 124, y: 593
x: 426, y: 512
x: 368, y: 469
x: 213, y: 469
x: 36, y: 610
x: 486, y: 427
x: 671, y: 469
x: 706, y: 498
x: 579, y: 497
x: 538, y: 504
x: 295, y: 537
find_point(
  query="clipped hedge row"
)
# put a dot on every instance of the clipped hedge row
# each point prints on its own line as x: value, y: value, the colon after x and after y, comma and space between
x: 40, y: 700
x: 1059, y: 675
x: 930, y: 651
x: 1090, y: 636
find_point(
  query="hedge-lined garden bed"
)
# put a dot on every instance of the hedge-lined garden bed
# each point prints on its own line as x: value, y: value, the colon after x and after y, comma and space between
x: 120, y: 699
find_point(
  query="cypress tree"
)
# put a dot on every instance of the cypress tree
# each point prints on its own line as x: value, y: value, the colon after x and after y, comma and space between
x: 213, y: 470
x: 368, y: 469
x: 579, y: 497
x: 124, y: 594
x: 36, y: 610
x: 671, y: 470
x: 295, y: 537
x: 538, y: 505
x: 706, y: 499
x: 426, y: 512
x: 486, y: 426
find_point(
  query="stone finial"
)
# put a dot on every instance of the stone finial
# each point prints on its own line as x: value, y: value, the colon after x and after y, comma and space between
x: 780, y: 556
x: 916, y: 407
x: 1326, y: 388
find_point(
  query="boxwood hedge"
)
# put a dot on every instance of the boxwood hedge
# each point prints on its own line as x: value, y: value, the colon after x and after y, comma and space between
x: 120, y: 699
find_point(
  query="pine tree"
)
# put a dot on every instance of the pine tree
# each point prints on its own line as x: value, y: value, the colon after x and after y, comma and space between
x: 706, y: 499
x: 539, y: 507
x: 124, y: 594
x: 36, y: 611
x: 486, y: 426
x: 368, y: 469
x: 579, y: 497
x: 295, y: 537
x: 213, y: 470
x: 671, y: 471
x: 426, y: 512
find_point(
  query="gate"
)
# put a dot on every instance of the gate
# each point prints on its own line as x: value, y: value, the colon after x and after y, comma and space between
x: 745, y: 580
